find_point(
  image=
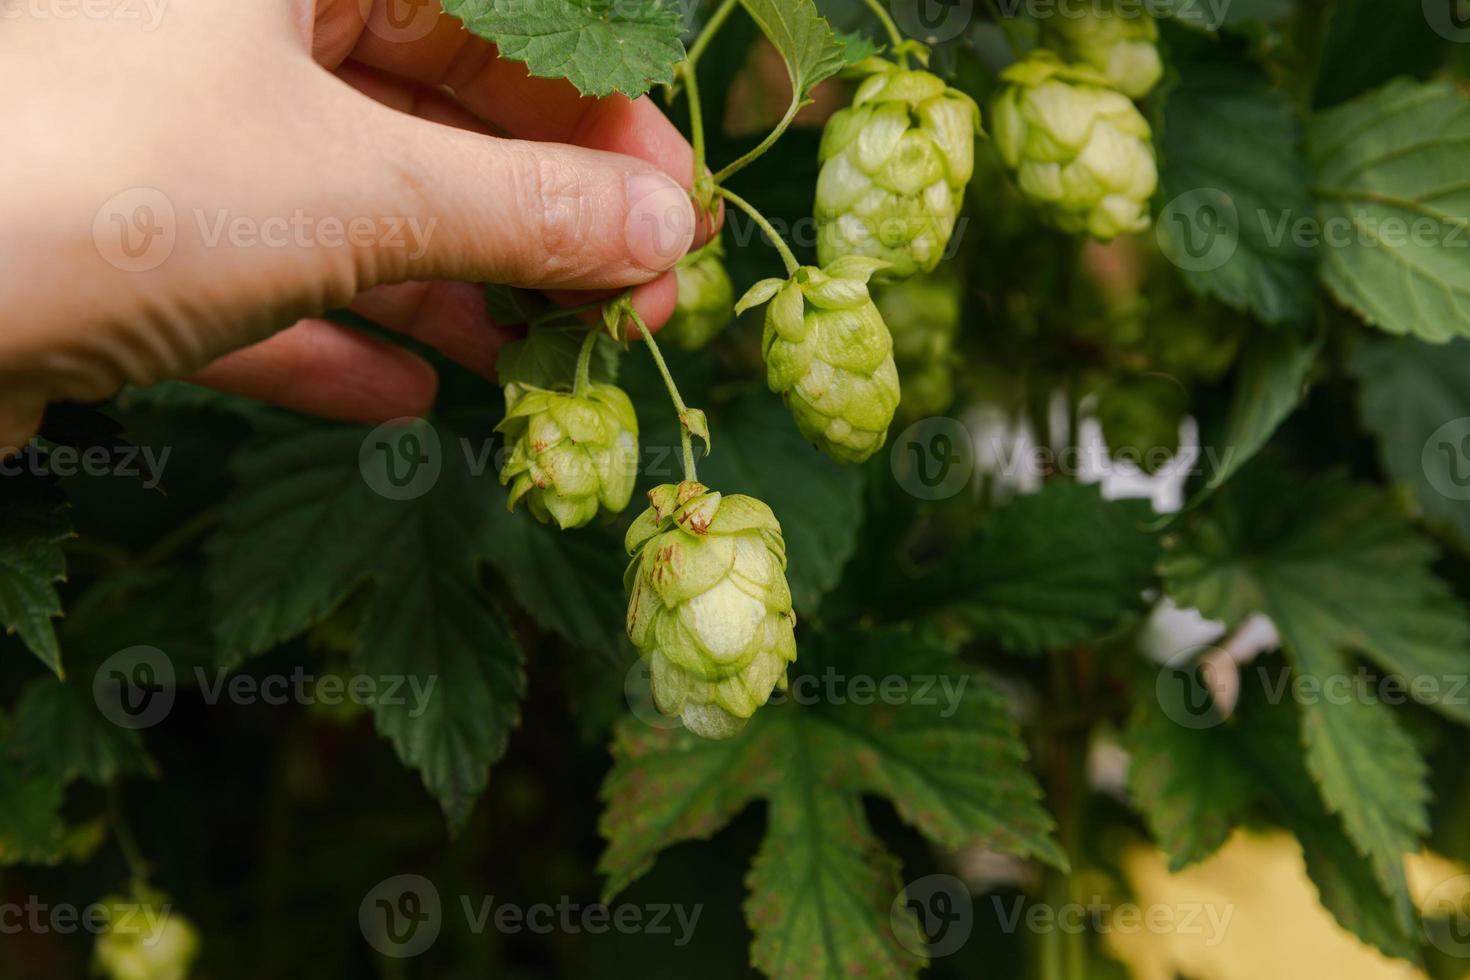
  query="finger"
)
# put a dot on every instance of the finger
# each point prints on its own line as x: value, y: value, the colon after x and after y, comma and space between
x: 654, y: 302
x: 448, y: 316
x: 431, y: 104
x: 321, y: 368
x: 483, y: 209
x: 500, y: 91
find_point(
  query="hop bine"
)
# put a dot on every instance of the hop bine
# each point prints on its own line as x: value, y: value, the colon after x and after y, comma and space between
x: 829, y: 355
x: 572, y: 455
x: 1079, y: 149
x: 894, y: 169
x: 1120, y: 45
x: 706, y: 296
x: 709, y: 608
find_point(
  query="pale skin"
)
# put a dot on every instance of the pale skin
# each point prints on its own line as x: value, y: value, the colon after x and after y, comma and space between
x: 186, y: 199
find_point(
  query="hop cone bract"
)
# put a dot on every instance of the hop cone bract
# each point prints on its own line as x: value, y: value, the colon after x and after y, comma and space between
x: 571, y: 456
x: 709, y: 608
x: 145, y: 940
x: 706, y: 299
x: 1122, y: 45
x: 894, y: 169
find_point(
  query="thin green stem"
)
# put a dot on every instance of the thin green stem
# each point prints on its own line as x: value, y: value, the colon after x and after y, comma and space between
x: 776, y: 240
x: 765, y: 144
x: 584, y: 362
x: 690, y: 71
x: 126, y: 842
x: 685, y: 441
x: 711, y: 28
x: 894, y: 34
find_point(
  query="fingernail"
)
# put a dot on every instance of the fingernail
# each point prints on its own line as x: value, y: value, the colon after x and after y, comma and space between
x: 660, y: 221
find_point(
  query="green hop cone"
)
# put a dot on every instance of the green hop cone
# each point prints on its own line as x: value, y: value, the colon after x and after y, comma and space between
x: 706, y: 296
x: 829, y: 355
x: 571, y: 456
x: 1079, y: 149
x: 709, y: 608
x: 1121, y: 45
x: 145, y: 940
x: 923, y: 316
x: 894, y: 169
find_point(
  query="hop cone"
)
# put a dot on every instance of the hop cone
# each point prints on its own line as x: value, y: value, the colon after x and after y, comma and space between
x: 829, y: 355
x: 144, y: 941
x: 923, y: 315
x: 1121, y: 45
x: 706, y: 299
x: 709, y: 607
x: 894, y: 169
x: 571, y: 456
x: 1078, y: 148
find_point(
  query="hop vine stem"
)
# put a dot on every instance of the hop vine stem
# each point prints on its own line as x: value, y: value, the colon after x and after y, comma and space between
x: 690, y: 71
x: 776, y: 240
x: 886, y: 19
x: 686, y: 442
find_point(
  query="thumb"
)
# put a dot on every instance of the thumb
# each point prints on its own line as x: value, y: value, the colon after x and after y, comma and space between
x: 537, y: 215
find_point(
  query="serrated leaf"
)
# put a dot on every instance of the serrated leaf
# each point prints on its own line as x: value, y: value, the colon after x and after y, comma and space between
x: 807, y: 43
x: 600, y: 46
x: 1411, y: 391
x: 1052, y: 569
x: 944, y: 751
x: 1269, y: 383
x: 58, y: 729
x: 306, y: 528
x: 1338, y: 571
x: 32, y: 526
x: 30, y: 816
x: 1390, y: 189
x: 509, y: 306
x: 1194, y: 785
x: 1232, y: 146
x: 547, y: 357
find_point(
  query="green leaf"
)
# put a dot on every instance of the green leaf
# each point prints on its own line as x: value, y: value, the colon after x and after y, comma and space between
x: 509, y: 306
x: 1390, y: 190
x: 1236, y: 176
x: 32, y: 526
x: 811, y: 50
x: 1270, y: 380
x: 547, y: 357
x: 600, y: 46
x: 1410, y: 391
x: 570, y: 582
x: 1372, y: 41
x: 1339, y: 571
x: 1195, y: 784
x: 59, y: 730
x: 30, y: 815
x: 941, y: 746
x: 1053, y: 569
x: 308, y: 526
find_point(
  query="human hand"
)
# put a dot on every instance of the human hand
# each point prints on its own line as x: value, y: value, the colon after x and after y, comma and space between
x: 181, y: 194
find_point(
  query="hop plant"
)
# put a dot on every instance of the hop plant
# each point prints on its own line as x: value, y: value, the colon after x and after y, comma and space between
x: 894, y: 169
x: 144, y: 940
x: 1078, y: 148
x: 572, y: 455
x: 705, y: 298
x: 709, y: 608
x: 1121, y: 46
x: 923, y: 316
x: 829, y: 355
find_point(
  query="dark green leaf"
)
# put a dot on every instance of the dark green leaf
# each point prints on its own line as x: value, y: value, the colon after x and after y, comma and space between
x: 547, y: 357
x: 600, y: 46
x: 59, y: 730
x: 32, y: 526
x: 1371, y: 41
x: 804, y: 39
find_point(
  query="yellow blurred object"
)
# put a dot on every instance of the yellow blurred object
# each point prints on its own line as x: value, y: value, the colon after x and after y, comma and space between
x: 1257, y: 888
